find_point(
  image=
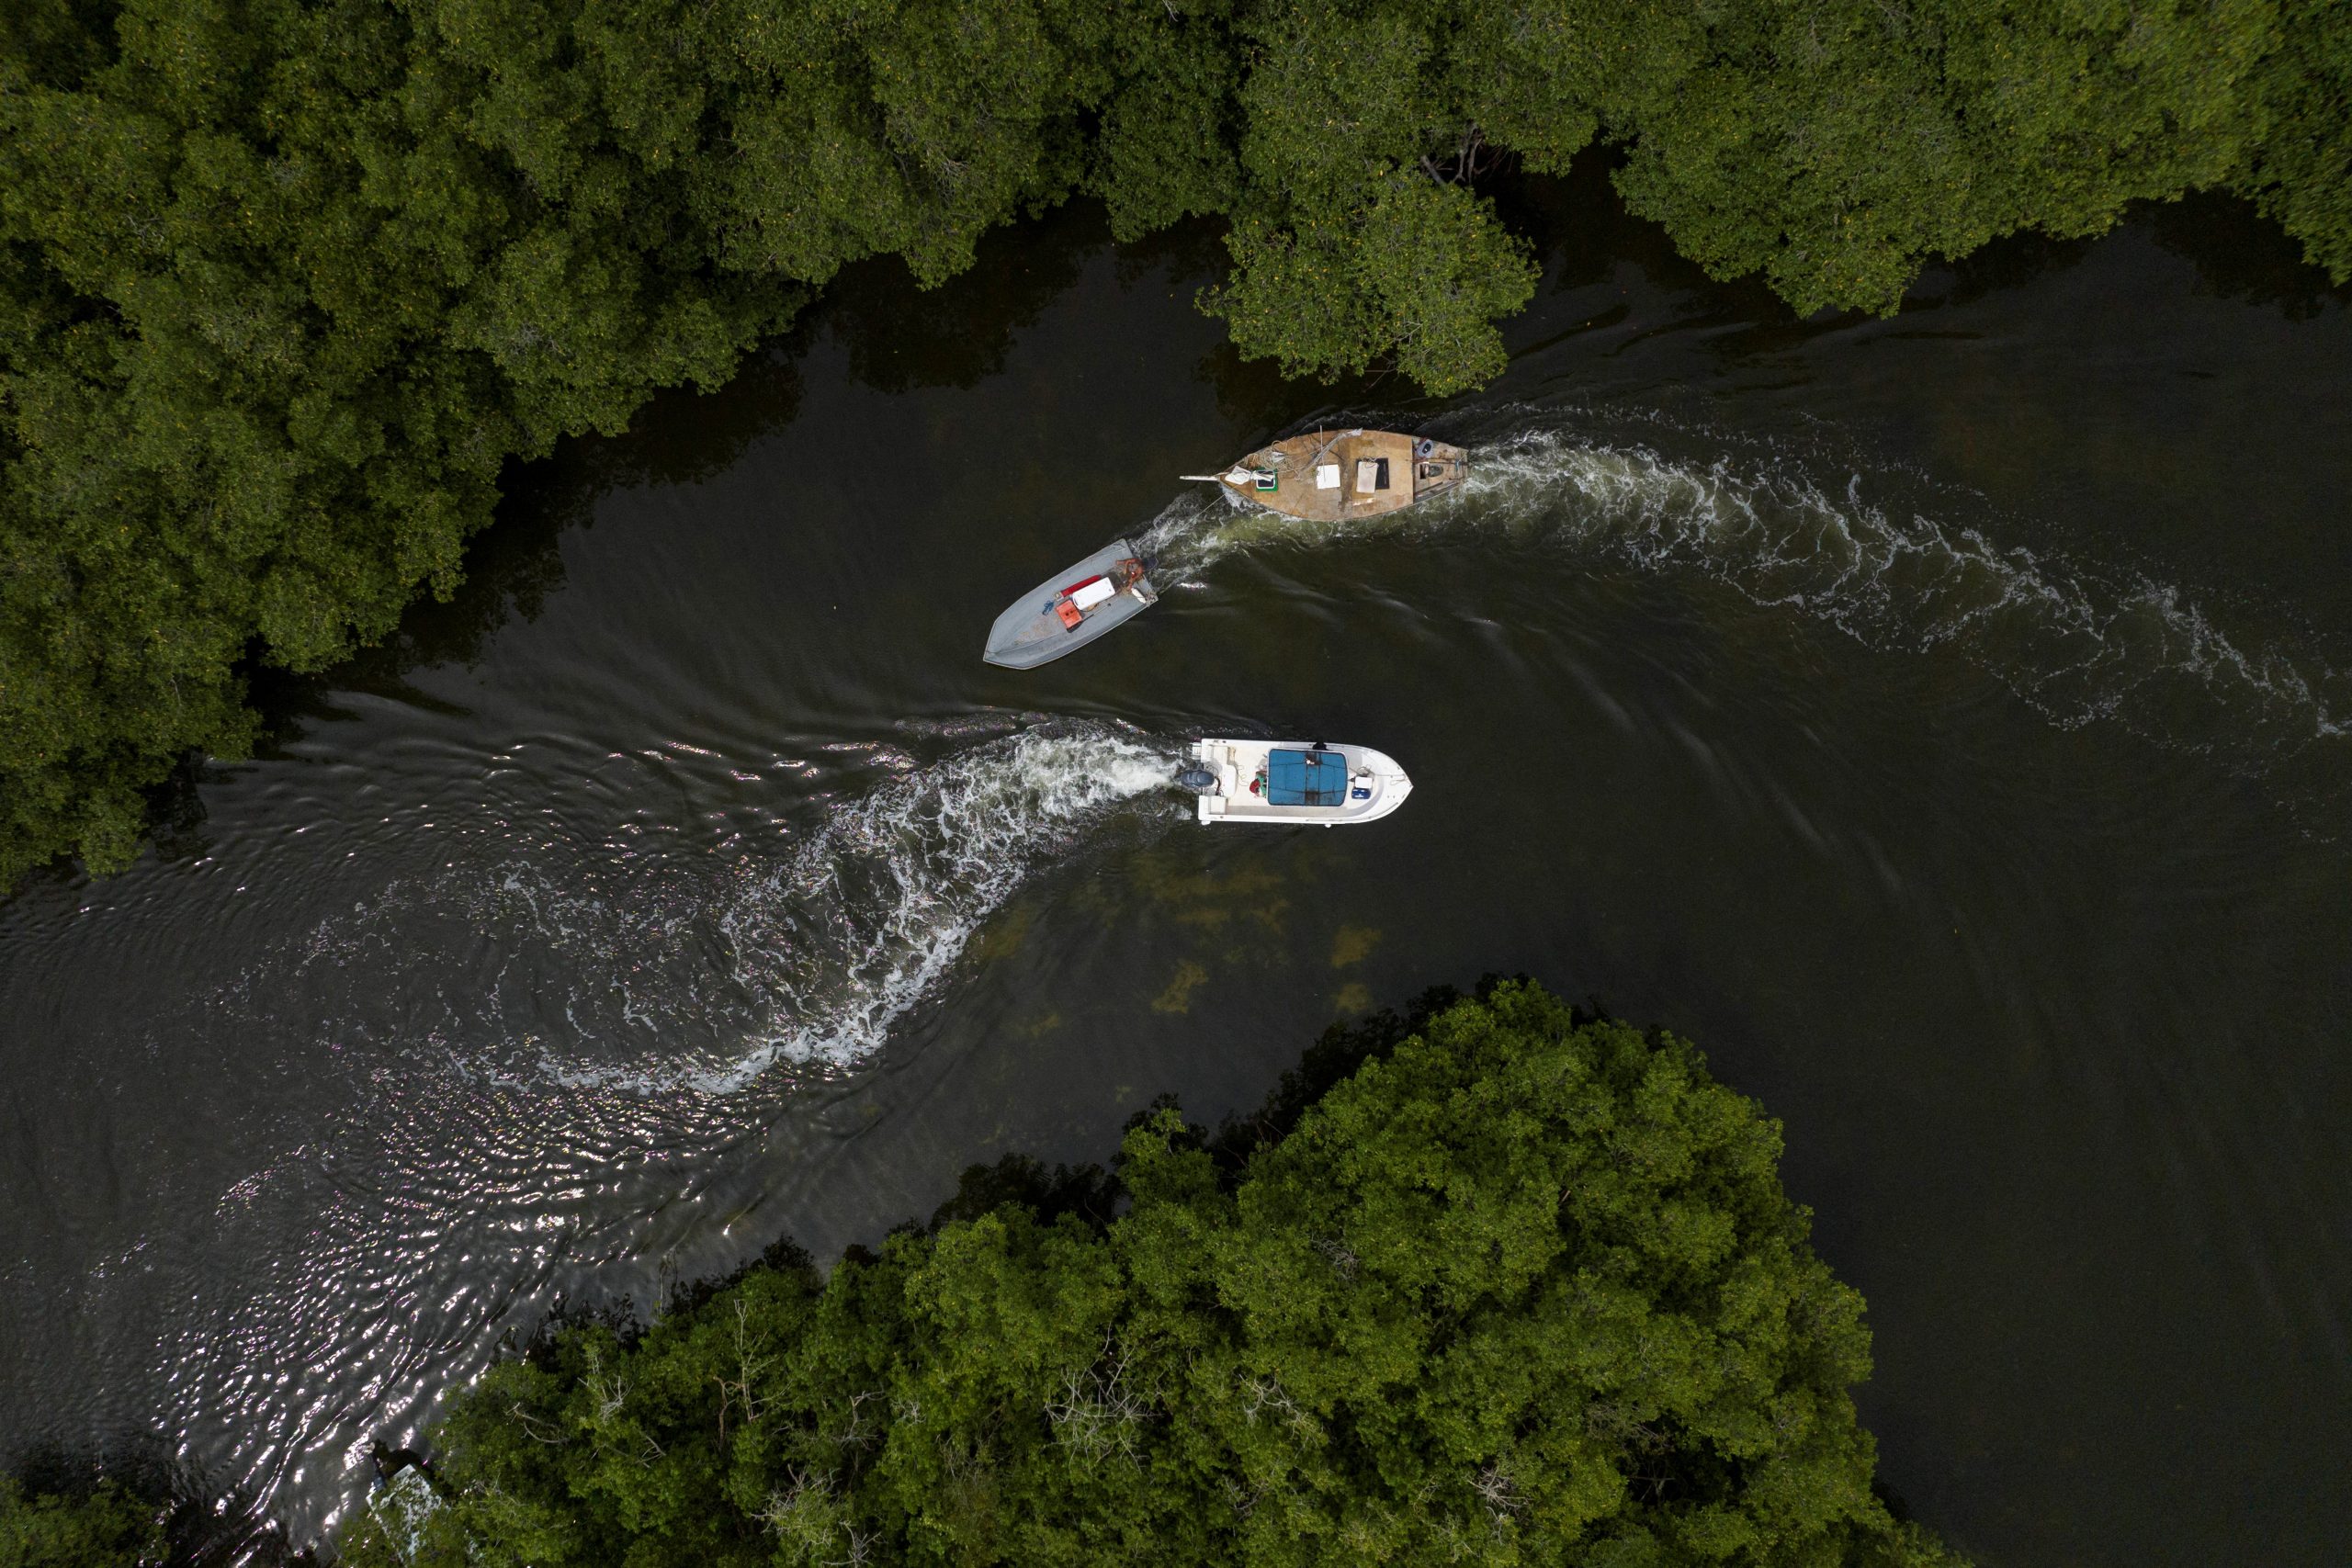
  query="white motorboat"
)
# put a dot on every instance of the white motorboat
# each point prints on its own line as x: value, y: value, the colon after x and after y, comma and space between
x: 1293, y: 780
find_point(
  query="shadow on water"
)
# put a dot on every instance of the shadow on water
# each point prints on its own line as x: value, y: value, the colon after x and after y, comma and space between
x: 1584, y: 234
x: 2240, y: 254
x: 2013, y: 261
x: 512, y: 567
x: 895, y: 338
x: 899, y: 337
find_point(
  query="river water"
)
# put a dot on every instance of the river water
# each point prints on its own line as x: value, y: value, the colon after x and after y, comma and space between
x: 1941, y: 719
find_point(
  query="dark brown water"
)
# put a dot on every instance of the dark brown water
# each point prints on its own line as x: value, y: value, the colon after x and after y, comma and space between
x: 1941, y: 719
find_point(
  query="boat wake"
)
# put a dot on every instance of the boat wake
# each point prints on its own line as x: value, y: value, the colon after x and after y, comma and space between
x: 832, y: 947
x: 2077, y: 645
x: 559, y: 1079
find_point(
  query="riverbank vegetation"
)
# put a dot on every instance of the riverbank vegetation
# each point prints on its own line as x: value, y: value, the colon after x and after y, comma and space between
x: 1501, y: 1285
x: 284, y: 284
x: 94, y: 1526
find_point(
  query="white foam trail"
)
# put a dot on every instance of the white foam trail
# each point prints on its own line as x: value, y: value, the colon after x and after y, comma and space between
x: 2077, y: 645
x: 548, y: 1063
x: 846, y: 937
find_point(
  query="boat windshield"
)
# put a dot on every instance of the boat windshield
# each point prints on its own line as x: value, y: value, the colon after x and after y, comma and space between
x: 1306, y: 778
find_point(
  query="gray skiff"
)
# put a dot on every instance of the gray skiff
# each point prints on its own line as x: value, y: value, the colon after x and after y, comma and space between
x: 1070, y: 608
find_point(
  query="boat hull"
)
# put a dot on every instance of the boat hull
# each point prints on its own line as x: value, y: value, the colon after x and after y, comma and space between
x: 1236, y: 765
x: 1369, y: 472
x: 1030, y: 633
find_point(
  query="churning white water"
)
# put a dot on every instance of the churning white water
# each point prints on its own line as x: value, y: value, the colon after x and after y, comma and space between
x: 548, y: 1061
x: 847, y: 934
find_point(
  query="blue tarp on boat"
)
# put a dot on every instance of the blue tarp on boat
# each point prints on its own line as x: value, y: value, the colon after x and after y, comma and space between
x: 1306, y: 778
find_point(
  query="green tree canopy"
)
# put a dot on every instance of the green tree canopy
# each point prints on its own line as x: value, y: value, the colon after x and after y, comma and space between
x: 103, y: 1527
x: 284, y: 283
x: 1521, y: 1288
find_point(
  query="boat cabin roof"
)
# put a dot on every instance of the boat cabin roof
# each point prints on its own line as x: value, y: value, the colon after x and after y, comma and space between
x: 1306, y: 778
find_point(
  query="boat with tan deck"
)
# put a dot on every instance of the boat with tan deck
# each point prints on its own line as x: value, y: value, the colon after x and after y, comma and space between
x: 1293, y: 780
x: 1333, y: 476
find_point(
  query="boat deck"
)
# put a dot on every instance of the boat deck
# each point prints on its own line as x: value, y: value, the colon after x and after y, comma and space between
x: 1331, y: 476
x: 1032, y: 632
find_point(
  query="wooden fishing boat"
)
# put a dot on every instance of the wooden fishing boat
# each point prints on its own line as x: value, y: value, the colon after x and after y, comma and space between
x: 1292, y: 781
x: 1072, y: 607
x: 1333, y: 476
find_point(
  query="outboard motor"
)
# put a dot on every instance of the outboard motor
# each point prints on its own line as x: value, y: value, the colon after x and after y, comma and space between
x: 1197, y: 778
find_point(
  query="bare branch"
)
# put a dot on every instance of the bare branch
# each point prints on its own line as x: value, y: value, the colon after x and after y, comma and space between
x: 1097, y: 1413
